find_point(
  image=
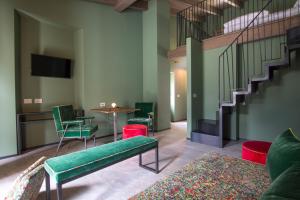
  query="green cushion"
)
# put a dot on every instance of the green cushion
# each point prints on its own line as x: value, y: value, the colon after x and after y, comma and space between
x: 285, y: 186
x: 86, y: 130
x: 144, y: 109
x: 79, y: 163
x: 140, y: 120
x: 284, y: 151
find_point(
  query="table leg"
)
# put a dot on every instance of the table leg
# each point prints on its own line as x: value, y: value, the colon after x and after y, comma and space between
x: 115, y: 126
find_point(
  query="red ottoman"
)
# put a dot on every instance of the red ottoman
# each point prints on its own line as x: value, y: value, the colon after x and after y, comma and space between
x: 255, y: 151
x: 132, y: 130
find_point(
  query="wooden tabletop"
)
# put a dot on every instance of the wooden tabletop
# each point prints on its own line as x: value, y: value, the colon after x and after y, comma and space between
x: 114, y: 110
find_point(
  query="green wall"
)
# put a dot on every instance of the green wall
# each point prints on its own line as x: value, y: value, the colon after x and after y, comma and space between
x: 110, y: 56
x: 8, y: 142
x: 156, y: 67
x: 275, y: 107
x: 194, y: 84
x: 173, y: 32
x: 45, y: 39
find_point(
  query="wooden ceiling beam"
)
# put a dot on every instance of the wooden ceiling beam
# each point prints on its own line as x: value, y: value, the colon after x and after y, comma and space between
x: 137, y: 5
x: 122, y: 5
x: 177, y: 6
x: 141, y: 5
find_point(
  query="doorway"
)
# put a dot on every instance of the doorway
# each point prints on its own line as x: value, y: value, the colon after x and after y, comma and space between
x: 178, y: 90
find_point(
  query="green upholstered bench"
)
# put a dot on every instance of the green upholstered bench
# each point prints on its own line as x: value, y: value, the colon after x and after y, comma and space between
x: 72, y: 166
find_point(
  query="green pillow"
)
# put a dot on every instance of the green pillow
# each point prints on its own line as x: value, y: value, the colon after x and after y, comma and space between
x: 286, y: 186
x: 284, y: 151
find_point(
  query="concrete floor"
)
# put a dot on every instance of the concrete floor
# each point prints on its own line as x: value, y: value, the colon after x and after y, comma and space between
x: 121, y: 180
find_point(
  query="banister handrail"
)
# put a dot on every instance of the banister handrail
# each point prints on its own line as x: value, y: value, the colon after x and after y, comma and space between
x: 248, y: 26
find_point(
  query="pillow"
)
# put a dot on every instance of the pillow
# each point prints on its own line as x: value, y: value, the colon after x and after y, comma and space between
x: 30, y: 168
x: 286, y: 186
x: 28, y: 183
x: 246, y: 19
x: 284, y: 151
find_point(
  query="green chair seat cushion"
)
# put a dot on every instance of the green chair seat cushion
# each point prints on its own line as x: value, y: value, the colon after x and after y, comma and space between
x: 79, y: 163
x: 86, y: 130
x: 284, y: 152
x: 285, y: 186
x: 141, y: 120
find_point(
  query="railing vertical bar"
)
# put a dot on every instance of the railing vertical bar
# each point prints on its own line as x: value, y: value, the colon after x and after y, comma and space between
x: 232, y: 68
x: 223, y: 78
x: 229, y: 78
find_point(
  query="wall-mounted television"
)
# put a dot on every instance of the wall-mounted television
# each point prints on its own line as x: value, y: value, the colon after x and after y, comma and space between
x: 49, y: 66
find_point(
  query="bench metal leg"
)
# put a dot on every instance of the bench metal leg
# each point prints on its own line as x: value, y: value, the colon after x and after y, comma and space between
x: 156, y: 159
x: 59, y: 191
x: 156, y: 170
x: 140, y: 160
x: 85, y: 142
x: 48, y: 192
x: 94, y: 140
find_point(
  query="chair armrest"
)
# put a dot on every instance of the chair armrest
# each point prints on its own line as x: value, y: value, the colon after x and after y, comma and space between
x: 84, y: 118
x: 73, y: 122
x: 151, y: 114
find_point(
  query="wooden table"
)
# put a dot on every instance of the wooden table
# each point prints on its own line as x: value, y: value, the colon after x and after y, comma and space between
x: 115, y: 112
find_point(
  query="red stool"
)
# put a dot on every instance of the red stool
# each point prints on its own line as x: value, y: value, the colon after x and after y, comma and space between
x: 255, y: 151
x: 132, y: 130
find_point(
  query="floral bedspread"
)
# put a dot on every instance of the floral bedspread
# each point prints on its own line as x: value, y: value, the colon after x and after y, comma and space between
x: 213, y: 176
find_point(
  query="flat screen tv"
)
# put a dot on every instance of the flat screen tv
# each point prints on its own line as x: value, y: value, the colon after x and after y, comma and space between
x: 49, y: 66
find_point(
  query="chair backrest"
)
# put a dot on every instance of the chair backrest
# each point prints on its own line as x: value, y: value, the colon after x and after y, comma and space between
x: 144, y: 109
x: 67, y: 113
x: 57, y: 118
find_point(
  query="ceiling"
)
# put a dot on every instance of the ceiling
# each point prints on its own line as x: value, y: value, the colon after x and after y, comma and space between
x: 175, y: 5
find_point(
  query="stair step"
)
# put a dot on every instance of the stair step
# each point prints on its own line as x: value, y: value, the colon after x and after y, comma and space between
x: 293, y: 37
x: 228, y: 104
x: 208, y: 126
x: 259, y: 78
x: 278, y: 65
x: 204, y: 138
x: 241, y: 92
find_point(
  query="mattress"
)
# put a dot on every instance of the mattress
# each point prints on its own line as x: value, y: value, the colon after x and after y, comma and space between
x: 243, y: 21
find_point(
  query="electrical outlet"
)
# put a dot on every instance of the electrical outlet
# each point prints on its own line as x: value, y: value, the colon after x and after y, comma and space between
x: 102, y: 104
x: 27, y: 101
x: 38, y: 100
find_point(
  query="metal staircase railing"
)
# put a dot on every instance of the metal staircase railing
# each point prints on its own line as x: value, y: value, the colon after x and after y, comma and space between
x: 206, y: 18
x: 258, y: 50
x: 255, y: 46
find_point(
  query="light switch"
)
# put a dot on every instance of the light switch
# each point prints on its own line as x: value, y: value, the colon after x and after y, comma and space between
x: 178, y: 95
x: 27, y: 101
x: 102, y: 104
x: 38, y: 100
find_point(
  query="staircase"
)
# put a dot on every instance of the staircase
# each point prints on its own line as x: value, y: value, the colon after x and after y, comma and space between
x: 250, y: 60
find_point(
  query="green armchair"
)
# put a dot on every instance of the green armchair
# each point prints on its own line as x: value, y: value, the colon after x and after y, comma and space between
x: 144, y: 115
x: 69, y: 126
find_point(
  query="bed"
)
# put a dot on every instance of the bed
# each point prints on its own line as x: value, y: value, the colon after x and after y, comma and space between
x: 241, y: 22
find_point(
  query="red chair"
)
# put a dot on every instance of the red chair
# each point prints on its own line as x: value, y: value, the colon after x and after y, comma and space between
x: 132, y: 130
x: 255, y: 151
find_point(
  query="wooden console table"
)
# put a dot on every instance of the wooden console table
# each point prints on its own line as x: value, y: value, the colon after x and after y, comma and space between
x: 25, y: 118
